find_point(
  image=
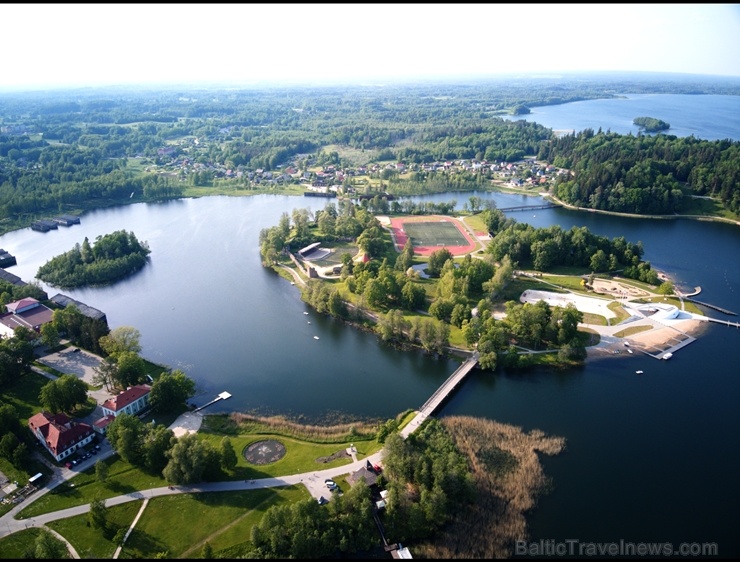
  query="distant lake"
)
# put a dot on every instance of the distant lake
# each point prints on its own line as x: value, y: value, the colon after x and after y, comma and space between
x: 709, y: 117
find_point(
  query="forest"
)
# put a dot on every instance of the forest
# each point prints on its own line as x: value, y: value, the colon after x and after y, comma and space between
x: 111, y: 257
x: 74, y: 150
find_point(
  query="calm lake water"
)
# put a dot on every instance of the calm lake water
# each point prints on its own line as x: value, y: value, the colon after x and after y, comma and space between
x: 651, y: 458
x: 711, y: 117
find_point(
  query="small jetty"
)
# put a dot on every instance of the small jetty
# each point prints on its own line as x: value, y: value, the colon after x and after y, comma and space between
x: 712, y: 306
x: 222, y: 396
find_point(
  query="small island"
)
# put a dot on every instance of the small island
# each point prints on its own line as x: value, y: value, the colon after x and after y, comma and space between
x: 651, y: 125
x: 110, y: 258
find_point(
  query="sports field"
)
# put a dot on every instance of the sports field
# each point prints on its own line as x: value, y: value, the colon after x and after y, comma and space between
x: 432, y: 233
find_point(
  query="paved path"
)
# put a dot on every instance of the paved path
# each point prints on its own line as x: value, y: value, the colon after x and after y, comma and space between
x: 314, y: 482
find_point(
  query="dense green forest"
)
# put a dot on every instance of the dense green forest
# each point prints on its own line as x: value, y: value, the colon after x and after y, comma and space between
x: 643, y: 174
x: 72, y: 150
x: 110, y: 258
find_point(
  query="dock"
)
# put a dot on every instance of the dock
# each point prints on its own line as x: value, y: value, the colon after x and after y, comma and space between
x: 222, y: 396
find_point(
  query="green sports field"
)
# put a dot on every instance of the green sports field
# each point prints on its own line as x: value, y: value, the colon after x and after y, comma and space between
x: 435, y: 233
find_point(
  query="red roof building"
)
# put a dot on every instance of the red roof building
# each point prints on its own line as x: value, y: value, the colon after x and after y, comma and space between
x: 59, y: 435
x: 130, y: 401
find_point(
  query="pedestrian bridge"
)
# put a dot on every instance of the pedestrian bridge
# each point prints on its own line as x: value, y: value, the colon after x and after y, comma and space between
x: 439, y: 396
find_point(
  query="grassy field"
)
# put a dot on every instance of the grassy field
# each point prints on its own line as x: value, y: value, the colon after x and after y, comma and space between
x: 83, y: 488
x: 14, y: 547
x: 173, y: 524
x: 96, y: 543
x: 435, y: 233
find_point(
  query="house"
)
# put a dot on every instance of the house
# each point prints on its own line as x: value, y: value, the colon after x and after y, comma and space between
x: 59, y: 435
x: 101, y: 425
x: 130, y: 401
x: 27, y: 312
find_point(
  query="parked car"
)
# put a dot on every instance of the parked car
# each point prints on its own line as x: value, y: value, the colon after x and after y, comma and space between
x: 68, y: 464
x: 330, y: 484
x: 322, y: 500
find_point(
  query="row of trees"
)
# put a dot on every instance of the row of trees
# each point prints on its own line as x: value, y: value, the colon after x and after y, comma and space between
x: 154, y: 448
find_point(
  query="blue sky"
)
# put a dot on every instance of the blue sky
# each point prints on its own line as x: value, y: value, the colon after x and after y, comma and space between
x: 80, y: 44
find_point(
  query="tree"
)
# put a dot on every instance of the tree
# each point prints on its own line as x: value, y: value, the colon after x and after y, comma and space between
x: 98, y: 516
x: 156, y: 442
x: 124, y: 434
x: 437, y: 259
x: 188, y: 460
x: 130, y: 369
x: 50, y: 335
x: 207, y: 551
x: 123, y: 338
x: 47, y: 546
x: 171, y: 391
x: 63, y: 394
x: 101, y: 471
x: 106, y: 373
x: 228, y: 455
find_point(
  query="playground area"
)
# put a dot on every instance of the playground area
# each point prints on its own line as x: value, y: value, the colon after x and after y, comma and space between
x: 431, y: 233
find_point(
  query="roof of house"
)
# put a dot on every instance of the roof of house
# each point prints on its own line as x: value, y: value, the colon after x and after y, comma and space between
x: 103, y: 422
x: 89, y: 311
x: 368, y: 476
x: 128, y: 396
x: 21, y: 304
x: 58, y: 431
x: 10, y: 278
x: 32, y: 318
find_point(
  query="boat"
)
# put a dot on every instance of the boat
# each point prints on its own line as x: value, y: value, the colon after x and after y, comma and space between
x: 316, y: 337
x: 667, y: 356
x: 629, y: 351
x: 639, y: 372
x: 306, y: 313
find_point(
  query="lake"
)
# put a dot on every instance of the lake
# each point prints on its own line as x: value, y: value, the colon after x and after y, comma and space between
x: 651, y: 458
x: 709, y: 117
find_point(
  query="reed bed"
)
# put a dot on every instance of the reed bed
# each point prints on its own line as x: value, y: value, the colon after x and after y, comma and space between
x: 241, y: 423
x: 508, y: 477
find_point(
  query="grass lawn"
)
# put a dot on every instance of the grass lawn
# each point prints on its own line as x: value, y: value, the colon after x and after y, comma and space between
x: 15, y: 546
x: 95, y: 543
x: 83, y: 488
x: 23, y: 395
x: 174, y: 524
x: 434, y: 233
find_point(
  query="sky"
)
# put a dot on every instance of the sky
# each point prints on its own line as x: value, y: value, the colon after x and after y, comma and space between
x: 65, y: 45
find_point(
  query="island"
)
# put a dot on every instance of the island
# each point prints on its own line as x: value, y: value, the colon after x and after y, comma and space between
x: 651, y: 125
x: 110, y: 258
x: 480, y: 284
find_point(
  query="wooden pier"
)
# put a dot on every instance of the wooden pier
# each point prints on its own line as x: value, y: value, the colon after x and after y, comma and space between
x: 222, y: 396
